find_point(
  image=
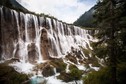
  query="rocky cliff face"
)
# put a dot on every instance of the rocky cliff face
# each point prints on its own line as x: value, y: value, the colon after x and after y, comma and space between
x: 33, y: 38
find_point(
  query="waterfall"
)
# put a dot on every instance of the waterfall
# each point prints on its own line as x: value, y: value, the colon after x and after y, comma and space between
x: 33, y: 38
x: 54, y: 70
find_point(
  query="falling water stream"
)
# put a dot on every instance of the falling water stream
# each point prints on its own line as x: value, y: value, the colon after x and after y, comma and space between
x: 32, y: 39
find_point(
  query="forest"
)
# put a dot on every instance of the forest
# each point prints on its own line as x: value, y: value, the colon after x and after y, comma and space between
x: 110, y: 17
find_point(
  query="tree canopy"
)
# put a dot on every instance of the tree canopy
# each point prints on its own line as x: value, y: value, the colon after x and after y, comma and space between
x: 111, y: 23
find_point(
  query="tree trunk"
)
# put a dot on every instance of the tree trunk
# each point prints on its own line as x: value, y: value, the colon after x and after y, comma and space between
x: 112, y: 47
x: 0, y: 45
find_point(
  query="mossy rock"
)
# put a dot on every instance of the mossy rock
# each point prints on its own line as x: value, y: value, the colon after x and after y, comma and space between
x: 93, y: 61
x: 71, y: 58
x: 48, y: 67
x: 65, y: 77
x: 58, y: 64
x: 74, y: 74
x: 86, y: 52
x: 9, y: 76
x: 48, y: 71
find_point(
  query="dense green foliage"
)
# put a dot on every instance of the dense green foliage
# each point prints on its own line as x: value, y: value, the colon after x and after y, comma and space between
x: 103, y: 75
x: 110, y: 18
x: 98, y: 77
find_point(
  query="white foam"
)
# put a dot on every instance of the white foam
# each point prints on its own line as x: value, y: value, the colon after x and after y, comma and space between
x: 54, y: 80
x: 95, y: 68
x: 22, y: 67
x: 81, y: 67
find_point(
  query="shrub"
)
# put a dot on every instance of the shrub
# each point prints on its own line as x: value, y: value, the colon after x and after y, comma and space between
x: 98, y: 77
x: 103, y: 76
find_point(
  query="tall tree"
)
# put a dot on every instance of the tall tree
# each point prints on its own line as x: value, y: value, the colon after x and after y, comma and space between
x: 107, y: 17
x: 110, y: 16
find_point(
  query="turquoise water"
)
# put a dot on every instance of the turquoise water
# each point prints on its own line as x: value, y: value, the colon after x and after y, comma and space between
x: 37, y: 80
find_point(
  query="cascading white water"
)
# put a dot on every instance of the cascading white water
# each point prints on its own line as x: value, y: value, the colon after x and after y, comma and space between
x: 31, y: 38
x: 40, y: 38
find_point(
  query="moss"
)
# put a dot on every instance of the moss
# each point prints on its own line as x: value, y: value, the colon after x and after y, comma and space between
x: 64, y: 76
x: 94, y: 62
x: 9, y: 76
x: 72, y: 67
x: 74, y: 74
x: 98, y: 77
x: 58, y: 64
x: 86, y: 52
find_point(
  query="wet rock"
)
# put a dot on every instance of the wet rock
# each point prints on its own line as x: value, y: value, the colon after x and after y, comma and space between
x: 58, y: 64
x: 71, y: 58
x: 9, y: 33
x: 44, y: 45
x: 48, y: 67
x: 32, y: 53
x: 15, y: 59
x: 74, y: 74
x: 48, y: 71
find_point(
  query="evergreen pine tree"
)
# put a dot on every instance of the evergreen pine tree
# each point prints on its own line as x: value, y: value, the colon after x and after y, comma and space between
x: 111, y: 19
